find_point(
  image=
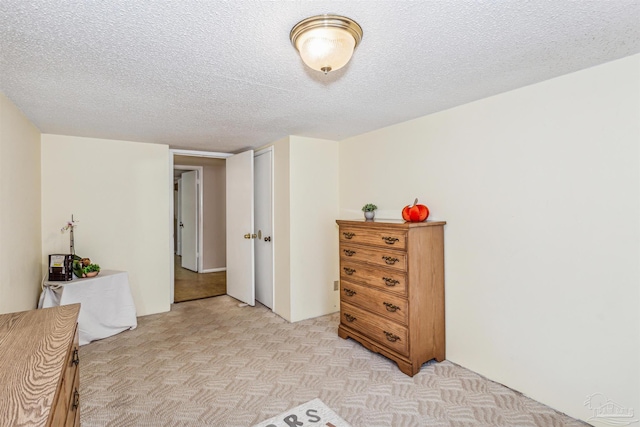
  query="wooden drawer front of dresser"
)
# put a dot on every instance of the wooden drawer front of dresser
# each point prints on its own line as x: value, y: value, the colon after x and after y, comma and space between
x: 388, y: 333
x: 382, y: 257
x: 67, y: 401
x: 396, y: 239
x: 385, y: 304
x: 73, y: 416
x: 73, y: 371
x: 71, y: 368
x: 379, y: 277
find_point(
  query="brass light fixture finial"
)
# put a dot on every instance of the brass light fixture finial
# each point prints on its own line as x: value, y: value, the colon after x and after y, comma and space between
x: 326, y: 42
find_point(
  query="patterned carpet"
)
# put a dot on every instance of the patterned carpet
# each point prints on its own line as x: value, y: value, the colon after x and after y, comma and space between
x: 211, y: 362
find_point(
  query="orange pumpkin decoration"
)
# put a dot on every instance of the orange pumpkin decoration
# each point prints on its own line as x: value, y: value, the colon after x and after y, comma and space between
x: 415, y: 213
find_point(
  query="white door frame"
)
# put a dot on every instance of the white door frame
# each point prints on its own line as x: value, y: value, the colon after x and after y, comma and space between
x: 191, y: 153
x: 199, y: 210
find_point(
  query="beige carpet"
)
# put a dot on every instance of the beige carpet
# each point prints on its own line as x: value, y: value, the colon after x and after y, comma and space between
x: 212, y: 363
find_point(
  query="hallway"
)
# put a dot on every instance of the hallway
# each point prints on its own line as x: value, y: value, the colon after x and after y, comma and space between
x: 191, y: 286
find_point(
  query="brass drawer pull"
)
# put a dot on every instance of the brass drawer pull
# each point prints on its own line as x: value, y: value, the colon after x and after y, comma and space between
x: 349, y: 252
x: 348, y: 235
x: 76, y: 399
x: 349, y: 271
x: 390, y: 282
x: 390, y: 240
x: 349, y: 317
x: 390, y: 307
x: 389, y: 260
x: 75, y: 359
x: 349, y: 292
x: 391, y: 337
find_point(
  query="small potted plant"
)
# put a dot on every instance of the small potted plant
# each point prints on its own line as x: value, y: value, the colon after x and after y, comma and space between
x: 90, y: 270
x: 369, y: 211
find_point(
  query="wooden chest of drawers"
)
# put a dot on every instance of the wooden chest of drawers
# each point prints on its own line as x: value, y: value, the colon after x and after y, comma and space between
x: 39, y: 377
x: 392, y: 289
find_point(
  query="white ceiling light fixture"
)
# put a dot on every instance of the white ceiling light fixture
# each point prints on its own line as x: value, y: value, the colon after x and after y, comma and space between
x: 326, y: 42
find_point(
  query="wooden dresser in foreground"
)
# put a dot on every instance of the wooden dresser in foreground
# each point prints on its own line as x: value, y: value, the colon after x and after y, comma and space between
x: 392, y: 289
x: 39, y: 377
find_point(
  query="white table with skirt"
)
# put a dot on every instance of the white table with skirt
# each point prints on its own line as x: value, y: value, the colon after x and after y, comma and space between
x: 106, y: 303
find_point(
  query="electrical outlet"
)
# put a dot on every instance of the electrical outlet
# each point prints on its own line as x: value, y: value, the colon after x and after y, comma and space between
x: 336, y: 285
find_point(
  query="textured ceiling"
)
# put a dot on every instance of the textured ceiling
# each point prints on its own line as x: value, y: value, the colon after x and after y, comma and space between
x: 222, y: 75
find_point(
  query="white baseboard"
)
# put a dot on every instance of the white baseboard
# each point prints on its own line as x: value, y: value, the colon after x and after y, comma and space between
x: 214, y: 270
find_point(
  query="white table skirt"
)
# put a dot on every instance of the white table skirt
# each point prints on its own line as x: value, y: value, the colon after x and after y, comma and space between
x: 106, y: 304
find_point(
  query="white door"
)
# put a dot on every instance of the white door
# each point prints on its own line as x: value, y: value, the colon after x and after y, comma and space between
x: 189, y: 220
x: 263, y: 226
x: 240, y: 234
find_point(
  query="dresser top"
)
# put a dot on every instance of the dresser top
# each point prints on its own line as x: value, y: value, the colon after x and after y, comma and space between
x: 33, y: 352
x: 388, y: 223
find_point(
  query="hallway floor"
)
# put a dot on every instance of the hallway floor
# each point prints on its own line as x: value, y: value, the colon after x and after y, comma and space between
x: 190, y: 285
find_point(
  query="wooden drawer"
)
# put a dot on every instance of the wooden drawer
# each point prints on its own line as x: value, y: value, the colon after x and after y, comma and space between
x: 384, y: 304
x: 71, y: 367
x: 73, y: 415
x: 387, y: 333
x: 396, y: 239
x: 70, y: 382
x: 383, y: 278
x: 382, y: 257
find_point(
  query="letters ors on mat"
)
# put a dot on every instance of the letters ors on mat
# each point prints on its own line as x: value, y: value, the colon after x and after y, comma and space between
x: 313, y: 413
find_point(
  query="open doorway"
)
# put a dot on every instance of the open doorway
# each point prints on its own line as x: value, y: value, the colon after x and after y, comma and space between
x: 199, y: 228
x: 190, y: 160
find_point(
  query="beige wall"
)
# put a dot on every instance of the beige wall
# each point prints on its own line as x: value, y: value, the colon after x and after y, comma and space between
x: 305, y: 234
x: 20, y: 240
x: 281, y: 229
x: 214, y: 245
x: 540, y: 188
x: 118, y: 191
x: 313, y: 234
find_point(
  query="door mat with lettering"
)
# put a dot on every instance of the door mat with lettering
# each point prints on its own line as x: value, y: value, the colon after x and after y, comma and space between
x: 313, y: 413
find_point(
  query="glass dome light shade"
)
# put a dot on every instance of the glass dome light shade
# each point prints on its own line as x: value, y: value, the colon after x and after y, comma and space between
x: 326, y: 42
x: 326, y: 48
